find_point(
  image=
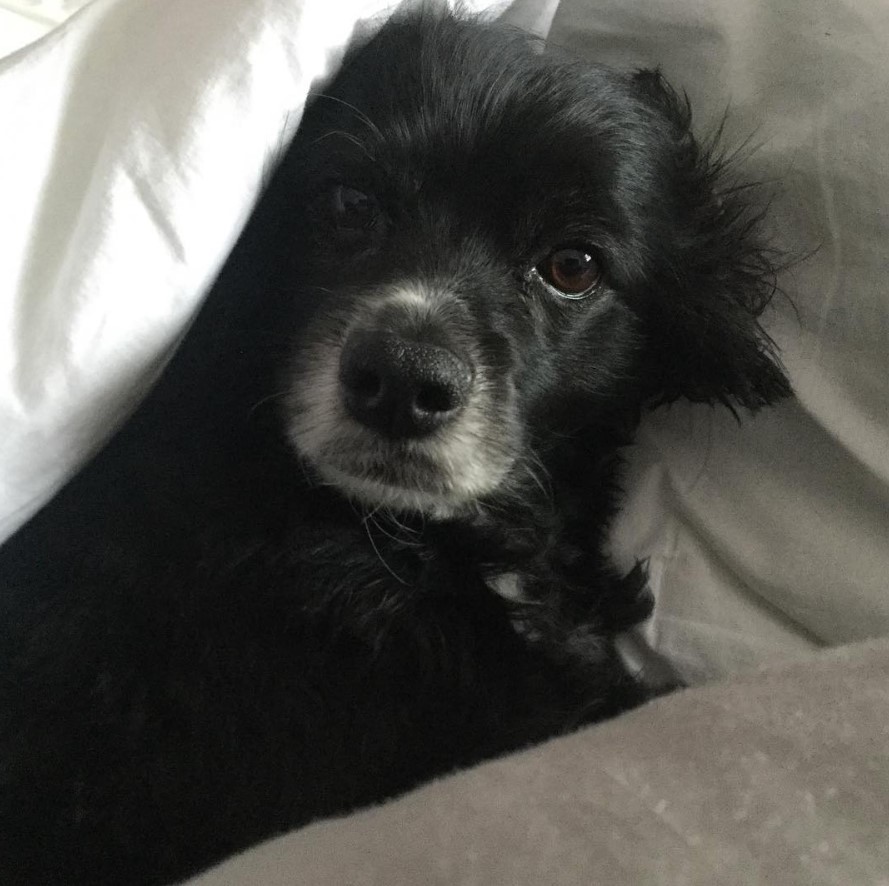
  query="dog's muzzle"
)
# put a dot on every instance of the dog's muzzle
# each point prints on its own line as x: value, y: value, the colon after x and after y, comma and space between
x: 395, y: 406
x: 400, y: 388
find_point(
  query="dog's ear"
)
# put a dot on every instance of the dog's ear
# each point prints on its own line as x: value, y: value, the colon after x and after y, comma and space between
x: 716, y: 276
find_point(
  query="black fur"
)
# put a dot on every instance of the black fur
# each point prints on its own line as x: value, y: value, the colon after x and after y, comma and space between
x: 201, y: 644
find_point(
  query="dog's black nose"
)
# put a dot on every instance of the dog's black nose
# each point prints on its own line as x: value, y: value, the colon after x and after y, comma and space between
x: 401, y: 388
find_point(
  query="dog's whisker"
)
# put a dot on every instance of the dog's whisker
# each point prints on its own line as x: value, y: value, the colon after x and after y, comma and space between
x: 389, y: 515
x: 278, y: 395
x: 357, y: 112
x: 339, y: 133
x: 380, y: 557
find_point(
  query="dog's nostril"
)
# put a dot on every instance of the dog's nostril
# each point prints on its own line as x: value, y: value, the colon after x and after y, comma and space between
x: 433, y: 398
x: 366, y: 384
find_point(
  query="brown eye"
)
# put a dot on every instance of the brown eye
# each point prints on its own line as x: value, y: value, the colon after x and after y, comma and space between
x: 353, y: 210
x: 572, y: 270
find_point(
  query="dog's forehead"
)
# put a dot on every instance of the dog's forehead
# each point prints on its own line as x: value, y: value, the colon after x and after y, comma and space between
x: 479, y: 105
x: 536, y: 148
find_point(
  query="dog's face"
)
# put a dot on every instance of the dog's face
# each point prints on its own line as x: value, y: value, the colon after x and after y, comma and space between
x: 496, y: 249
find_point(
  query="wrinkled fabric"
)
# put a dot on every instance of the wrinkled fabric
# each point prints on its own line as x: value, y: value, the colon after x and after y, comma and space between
x: 141, y: 134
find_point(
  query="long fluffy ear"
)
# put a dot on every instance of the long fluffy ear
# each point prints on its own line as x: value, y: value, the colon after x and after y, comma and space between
x: 717, y: 275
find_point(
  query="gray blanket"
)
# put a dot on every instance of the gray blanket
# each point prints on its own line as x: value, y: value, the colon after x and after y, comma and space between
x: 780, y: 777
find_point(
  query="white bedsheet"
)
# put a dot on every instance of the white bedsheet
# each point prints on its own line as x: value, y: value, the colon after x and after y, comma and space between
x: 134, y: 142
x: 139, y: 133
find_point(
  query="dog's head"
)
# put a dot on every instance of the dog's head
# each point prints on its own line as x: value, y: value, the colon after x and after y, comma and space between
x: 498, y: 248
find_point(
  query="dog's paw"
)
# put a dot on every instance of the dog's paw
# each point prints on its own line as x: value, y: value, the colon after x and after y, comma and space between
x: 627, y: 601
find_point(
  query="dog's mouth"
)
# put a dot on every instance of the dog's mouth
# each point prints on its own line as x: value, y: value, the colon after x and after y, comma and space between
x: 385, y: 486
x: 442, y: 477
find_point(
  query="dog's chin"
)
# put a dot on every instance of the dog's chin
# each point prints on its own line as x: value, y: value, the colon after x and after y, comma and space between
x: 430, y: 501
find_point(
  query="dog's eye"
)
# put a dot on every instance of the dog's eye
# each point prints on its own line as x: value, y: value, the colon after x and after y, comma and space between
x: 572, y: 270
x: 353, y: 210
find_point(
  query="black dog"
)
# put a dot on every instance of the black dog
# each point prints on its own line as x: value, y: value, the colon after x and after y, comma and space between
x: 272, y: 596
